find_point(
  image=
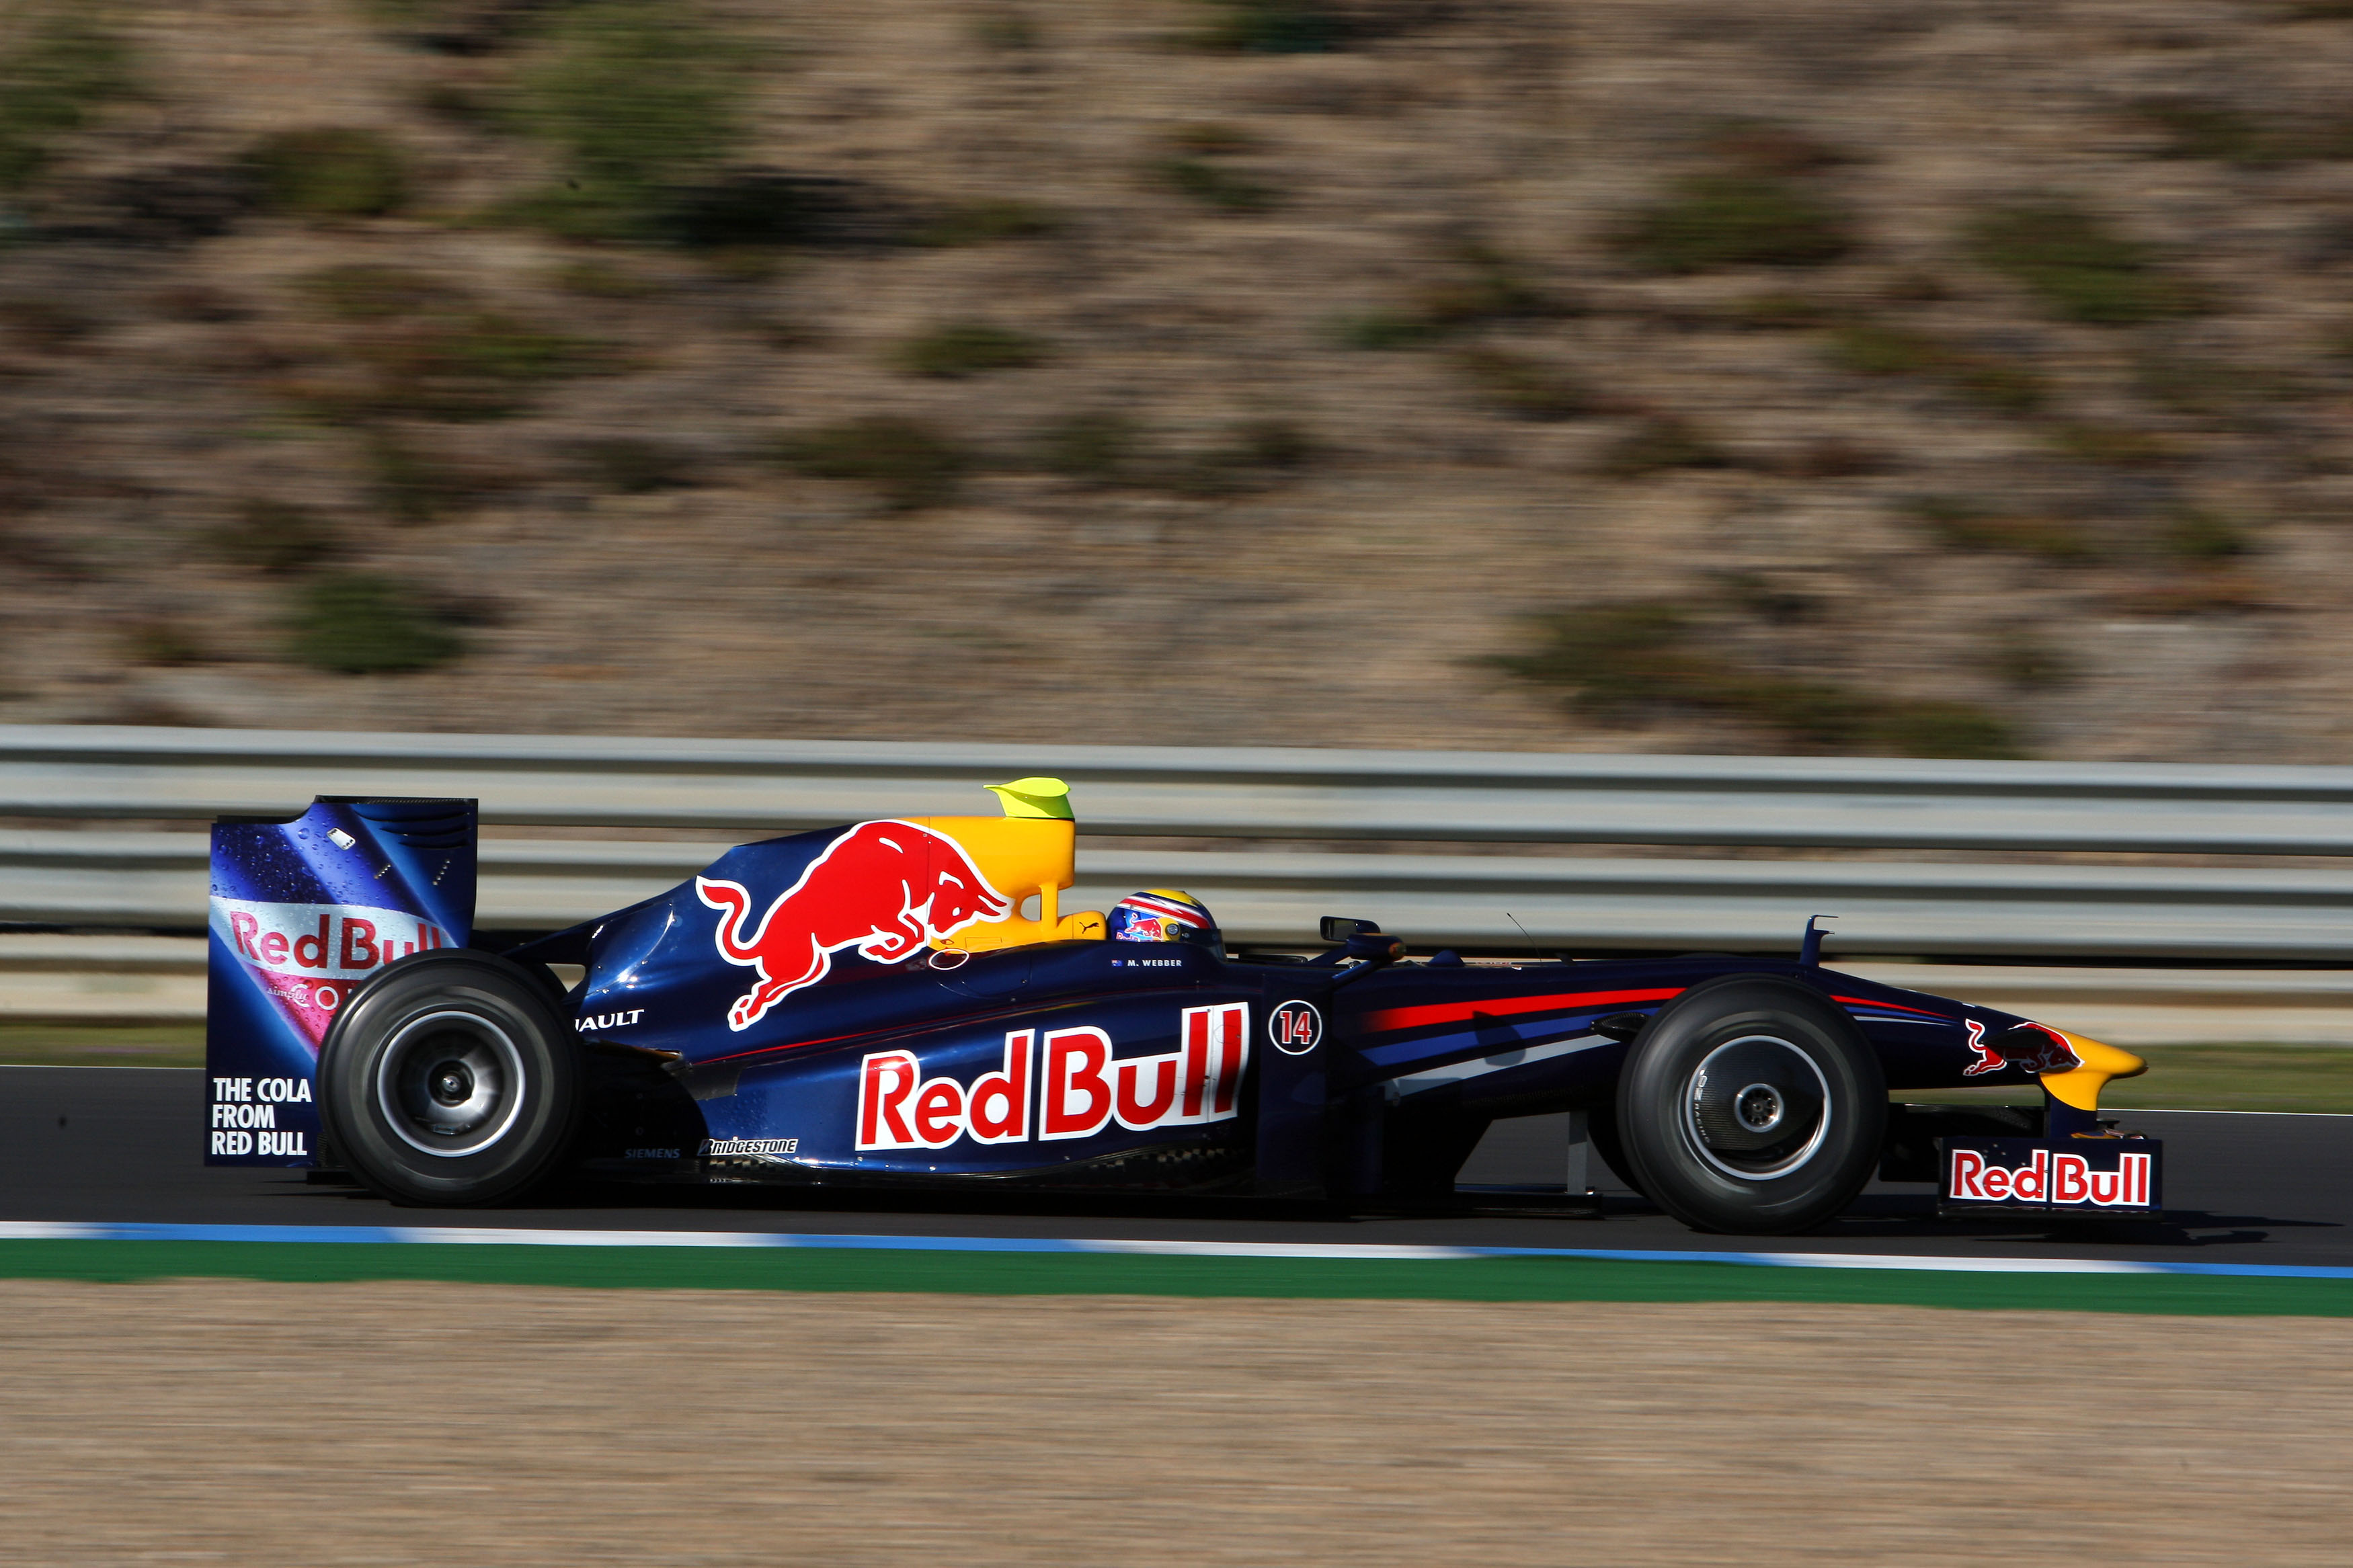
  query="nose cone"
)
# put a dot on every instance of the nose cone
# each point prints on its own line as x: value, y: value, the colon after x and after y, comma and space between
x: 2097, y: 1064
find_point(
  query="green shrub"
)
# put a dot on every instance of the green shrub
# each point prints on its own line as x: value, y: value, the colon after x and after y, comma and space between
x: 981, y: 223
x: 460, y: 105
x: 1830, y: 457
x: 1991, y: 381
x: 2197, y: 129
x: 1658, y: 444
x: 1733, y: 219
x: 412, y: 484
x: 330, y: 171
x: 2112, y: 445
x: 480, y: 364
x: 1481, y: 284
x: 65, y: 66
x: 163, y: 640
x: 2198, y: 535
x: 954, y: 349
x: 369, y: 291
x: 1271, y: 443
x: 2024, y: 659
x: 1779, y: 311
x: 363, y: 623
x: 1925, y: 728
x: 2214, y: 389
x: 641, y: 98
x: 631, y: 466
x: 1097, y: 447
x: 1619, y: 659
x: 1967, y: 525
x: 1252, y: 454
x: 1524, y: 387
x: 910, y: 462
x: 1765, y: 147
x: 1485, y: 286
x: 1876, y: 348
x: 276, y: 537
x: 1613, y: 658
x: 591, y: 279
x: 45, y: 323
x: 1213, y: 184
x: 2080, y: 269
x: 1272, y: 26
x: 1004, y: 29
x: 748, y: 209
x: 1382, y: 331
x: 2200, y: 129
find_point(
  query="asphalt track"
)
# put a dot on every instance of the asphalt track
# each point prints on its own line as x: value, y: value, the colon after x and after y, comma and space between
x: 122, y: 1144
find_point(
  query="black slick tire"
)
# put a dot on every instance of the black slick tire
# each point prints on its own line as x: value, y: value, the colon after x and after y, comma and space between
x: 451, y: 1078
x: 1751, y: 1105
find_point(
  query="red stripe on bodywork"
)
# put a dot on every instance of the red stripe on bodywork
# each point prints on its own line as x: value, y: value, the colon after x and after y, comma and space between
x: 1464, y: 1012
x: 1892, y: 1006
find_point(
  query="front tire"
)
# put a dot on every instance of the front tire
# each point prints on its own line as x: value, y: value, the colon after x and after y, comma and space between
x: 1752, y: 1105
x: 451, y: 1078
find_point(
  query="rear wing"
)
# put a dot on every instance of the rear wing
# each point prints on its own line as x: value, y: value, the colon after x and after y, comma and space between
x: 303, y: 911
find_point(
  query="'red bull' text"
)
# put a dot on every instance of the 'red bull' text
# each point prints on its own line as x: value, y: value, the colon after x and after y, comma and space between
x: 2048, y: 1178
x: 1067, y: 1086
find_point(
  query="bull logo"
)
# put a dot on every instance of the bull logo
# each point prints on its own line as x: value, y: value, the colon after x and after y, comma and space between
x: 2034, y: 1049
x: 883, y: 887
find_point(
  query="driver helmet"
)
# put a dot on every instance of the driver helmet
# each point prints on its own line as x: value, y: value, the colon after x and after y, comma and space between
x: 1162, y: 914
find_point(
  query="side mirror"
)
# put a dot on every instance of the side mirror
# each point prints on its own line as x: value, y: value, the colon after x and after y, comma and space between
x: 1376, y: 950
x: 1340, y: 928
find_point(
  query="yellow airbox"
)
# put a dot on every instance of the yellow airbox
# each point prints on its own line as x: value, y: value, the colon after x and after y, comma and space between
x: 1032, y: 850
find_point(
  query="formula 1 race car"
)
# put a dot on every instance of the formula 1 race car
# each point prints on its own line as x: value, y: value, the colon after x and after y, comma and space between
x: 903, y: 1002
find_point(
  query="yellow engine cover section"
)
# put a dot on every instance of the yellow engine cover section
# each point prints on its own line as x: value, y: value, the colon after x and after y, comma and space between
x: 1022, y: 856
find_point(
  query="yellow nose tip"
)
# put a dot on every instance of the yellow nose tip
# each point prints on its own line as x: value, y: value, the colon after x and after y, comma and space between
x: 2080, y: 1086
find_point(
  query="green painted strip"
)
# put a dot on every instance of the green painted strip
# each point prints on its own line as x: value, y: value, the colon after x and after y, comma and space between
x: 1089, y: 1274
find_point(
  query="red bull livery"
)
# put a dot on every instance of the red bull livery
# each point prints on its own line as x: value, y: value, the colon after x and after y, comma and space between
x: 883, y: 887
x: 904, y: 1002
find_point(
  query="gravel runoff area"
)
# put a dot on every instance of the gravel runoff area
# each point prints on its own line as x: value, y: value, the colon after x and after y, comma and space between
x: 409, y: 1423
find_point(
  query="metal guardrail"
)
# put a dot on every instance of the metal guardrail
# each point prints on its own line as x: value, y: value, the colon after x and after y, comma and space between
x: 104, y: 878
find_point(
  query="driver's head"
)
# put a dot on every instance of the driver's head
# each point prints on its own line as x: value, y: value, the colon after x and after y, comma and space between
x: 1162, y: 914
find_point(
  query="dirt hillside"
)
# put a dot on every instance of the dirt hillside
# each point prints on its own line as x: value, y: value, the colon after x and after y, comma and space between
x: 1877, y: 375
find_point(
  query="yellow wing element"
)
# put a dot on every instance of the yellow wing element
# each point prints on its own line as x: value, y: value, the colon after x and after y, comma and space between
x: 1035, y: 797
x: 1032, y: 849
x: 2080, y: 1087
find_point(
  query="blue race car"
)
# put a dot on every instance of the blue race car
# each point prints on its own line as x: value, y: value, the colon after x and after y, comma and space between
x: 904, y: 1003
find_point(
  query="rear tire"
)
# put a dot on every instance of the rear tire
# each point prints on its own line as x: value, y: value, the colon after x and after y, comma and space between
x: 451, y: 1078
x: 1752, y: 1105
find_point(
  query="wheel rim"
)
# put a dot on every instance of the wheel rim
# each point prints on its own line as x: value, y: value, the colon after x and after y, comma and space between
x: 1756, y: 1108
x: 449, y: 1083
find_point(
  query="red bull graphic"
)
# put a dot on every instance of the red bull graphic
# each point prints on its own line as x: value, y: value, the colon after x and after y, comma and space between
x: 1081, y: 1088
x: 2031, y: 1047
x: 2050, y: 1179
x: 308, y: 957
x: 883, y: 887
